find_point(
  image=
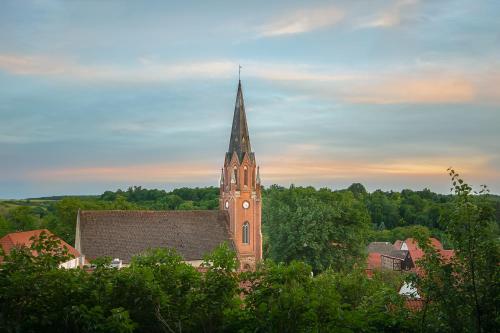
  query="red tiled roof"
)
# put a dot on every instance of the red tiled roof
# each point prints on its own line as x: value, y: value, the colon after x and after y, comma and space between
x: 414, y: 304
x: 447, y: 254
x: 416, y: 252
x: 18, y: 239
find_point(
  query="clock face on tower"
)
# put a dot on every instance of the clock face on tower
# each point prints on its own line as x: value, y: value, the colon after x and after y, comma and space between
x: 226, y: 204
x: 246, y: 204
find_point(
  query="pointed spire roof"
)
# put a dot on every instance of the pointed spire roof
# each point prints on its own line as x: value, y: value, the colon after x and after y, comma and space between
x: 240, y: 139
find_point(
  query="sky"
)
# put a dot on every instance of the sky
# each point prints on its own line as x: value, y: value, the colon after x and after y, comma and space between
x: 101, y: 95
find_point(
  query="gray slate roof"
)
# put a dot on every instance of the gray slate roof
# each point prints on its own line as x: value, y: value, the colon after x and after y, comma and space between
x: 240, y: 139
x: 123, y: 234
x: 398, y: 254
x: 380, y: 247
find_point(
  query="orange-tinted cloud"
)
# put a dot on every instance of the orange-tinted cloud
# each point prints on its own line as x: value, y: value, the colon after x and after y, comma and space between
x: 389, y: 17
x: 301, y: 21
x: 173, y: 172
x: 430, y: 89
x: 412, y: 84
x: 285, y: 169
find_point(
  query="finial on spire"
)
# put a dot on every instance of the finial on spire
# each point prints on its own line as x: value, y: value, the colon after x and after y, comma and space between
x: 239, y: 72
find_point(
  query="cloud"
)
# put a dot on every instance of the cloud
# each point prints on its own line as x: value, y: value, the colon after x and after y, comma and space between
x: 144, y: 70
x: 301, y: 21
x: 391, y: 16
x: 413, y: 84
x: 283, y: 169
x: 421, y: 90
x: 163, y: 172
x: 286, y: 169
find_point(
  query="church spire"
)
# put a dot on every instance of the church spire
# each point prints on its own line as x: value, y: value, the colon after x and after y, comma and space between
x: 240, y: 139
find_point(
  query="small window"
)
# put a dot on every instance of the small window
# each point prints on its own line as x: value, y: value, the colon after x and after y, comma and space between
x: 253, y: 177
x: 236, y: 175
x: 246, y: 233
x: 246, y: 177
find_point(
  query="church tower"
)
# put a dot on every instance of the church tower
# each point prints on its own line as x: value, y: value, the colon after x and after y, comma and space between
x: 240, y: 193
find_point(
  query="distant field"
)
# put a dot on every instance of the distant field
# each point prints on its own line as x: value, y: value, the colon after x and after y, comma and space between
x: 7, y: 205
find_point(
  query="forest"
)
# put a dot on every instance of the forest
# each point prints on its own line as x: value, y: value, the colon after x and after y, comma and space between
x: 312, y: 280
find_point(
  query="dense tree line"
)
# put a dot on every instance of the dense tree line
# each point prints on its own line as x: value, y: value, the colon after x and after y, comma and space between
x: 384, y: 216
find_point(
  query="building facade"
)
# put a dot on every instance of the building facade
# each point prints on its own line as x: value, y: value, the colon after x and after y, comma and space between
x: 240, y: 190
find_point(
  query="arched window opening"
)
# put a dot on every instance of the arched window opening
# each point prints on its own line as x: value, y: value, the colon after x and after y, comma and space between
x: 246, y: 233
x: 236, y: 176
x: 246, y: 177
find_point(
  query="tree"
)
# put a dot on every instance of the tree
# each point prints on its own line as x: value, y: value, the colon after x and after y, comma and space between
x: 322, y: 228
x: 357, y: 189
x: 5, y: 226
x: 462, y: 292
x: 21, y: 218
x: 287, y: 298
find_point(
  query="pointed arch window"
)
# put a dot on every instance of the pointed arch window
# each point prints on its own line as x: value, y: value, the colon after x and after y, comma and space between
x: 235, y: 176
x: 246, y: 233
x: 246, y: 176
x: 253, y: 177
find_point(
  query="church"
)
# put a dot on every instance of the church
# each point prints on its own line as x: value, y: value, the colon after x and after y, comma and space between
x: 122, y: 234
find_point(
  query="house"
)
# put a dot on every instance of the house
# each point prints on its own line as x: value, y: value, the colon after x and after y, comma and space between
x: 124, y: 234
x: 384, y: 255
x: 416, y: 253
x: 25, y: 238
x: 402, y: 255
x: 396, y: 260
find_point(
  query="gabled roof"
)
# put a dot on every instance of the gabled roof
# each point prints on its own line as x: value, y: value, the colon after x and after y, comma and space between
x: 397, y: 244
x: 123, y: 234
x: 240, y: 138
x: 18, y: 239
x: 417, y: 253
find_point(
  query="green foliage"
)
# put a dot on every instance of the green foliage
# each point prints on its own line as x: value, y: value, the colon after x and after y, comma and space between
x: 401, y: 233
x: 462, y: 293
x: 22, y: 218
x: 287, y: 298
x: 158, y: 292
x: 5, y: 226
x: 322, y: 228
